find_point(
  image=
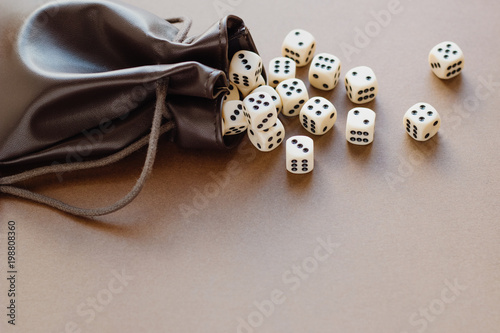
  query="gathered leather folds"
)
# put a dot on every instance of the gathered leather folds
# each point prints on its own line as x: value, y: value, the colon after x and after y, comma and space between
x: 88, y: 75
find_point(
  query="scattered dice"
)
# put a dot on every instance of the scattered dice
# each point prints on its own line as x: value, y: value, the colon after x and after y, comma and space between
x: 244, y: 70
x: 422, y: 121
x: 299, y: 45
x: 233, y: 119
x: 446, y: 60
x: 361, y: 84
x: 280, y: 69
x: 260, y: 110
x: 360, y: 126
x: 318, y: 115
x: 274, y: 95
x: 268, y: 139
x: 324, y: 72
x: 234, y: 93
x: 293, y: 93
x: 299, y: 154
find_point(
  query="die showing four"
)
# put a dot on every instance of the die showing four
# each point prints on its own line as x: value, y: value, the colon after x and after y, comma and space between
x: 318, y: 115
x: 422, y: 121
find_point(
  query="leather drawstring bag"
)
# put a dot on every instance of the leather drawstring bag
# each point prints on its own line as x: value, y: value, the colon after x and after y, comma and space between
x: 102, y: 79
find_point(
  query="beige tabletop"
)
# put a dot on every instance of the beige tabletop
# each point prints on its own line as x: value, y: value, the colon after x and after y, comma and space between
x: 398, y: 236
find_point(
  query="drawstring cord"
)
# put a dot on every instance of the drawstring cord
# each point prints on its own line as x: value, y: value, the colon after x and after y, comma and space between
x: 6, y: 183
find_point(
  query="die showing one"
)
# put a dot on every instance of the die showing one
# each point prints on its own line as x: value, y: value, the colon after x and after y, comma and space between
x: 324, y: 72
x: 233, y: 118
x: 280, y: 69
x: 274, y: 95
x: 422, y: 121
x: 446, y: 60
x: 260, y: 110
x: 234, y: 93
x: 299, y: 154
x: 299, y: 45
x: 360, y: 126
x: 361, y: 84
x: 244, y: 70
x: 318, y: 115
x: 268, y: 139
x: 293, y: 93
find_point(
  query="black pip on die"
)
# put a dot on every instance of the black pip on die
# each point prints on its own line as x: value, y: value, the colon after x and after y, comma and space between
x: 293, y: 93
x: 422, y: 121
x: 361, y: 84
x: 268, y: 139
x: 233, y: 118
x: 299, y: 45
x: 446, y: 60
x: 299, y: 154
x: 280, y: 69
x: 318, y: 115
x: 324, y: 72
x: 360, y: 126
x: 260, y: 110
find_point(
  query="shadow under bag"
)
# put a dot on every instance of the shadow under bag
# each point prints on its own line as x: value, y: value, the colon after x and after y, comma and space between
x: 102, y: 79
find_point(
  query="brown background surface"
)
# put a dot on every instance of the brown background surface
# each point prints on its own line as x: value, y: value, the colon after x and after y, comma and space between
x: 410, y: 220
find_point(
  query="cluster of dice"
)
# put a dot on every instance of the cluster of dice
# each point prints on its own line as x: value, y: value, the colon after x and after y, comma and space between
x: 258, y: 112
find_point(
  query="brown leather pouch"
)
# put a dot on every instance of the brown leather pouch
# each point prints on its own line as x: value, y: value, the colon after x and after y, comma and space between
x: 90, y: 73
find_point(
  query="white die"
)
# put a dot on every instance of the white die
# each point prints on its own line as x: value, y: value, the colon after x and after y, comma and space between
x: 293, y: 93
x: 245, y: 69
x: 274, y: 95
x: 318, y: 115
x: 361, y: 84
x: 324, y: 72
x: 299, y: 45
x: 234, y: 93
x: 422, y: 121
x: 233, y: 118
x: 360, y: 126
x: 268, y: 139
x: 280, y: 69
x: 260, y: 110
x: 446, y: 60
x: 299, y: 154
